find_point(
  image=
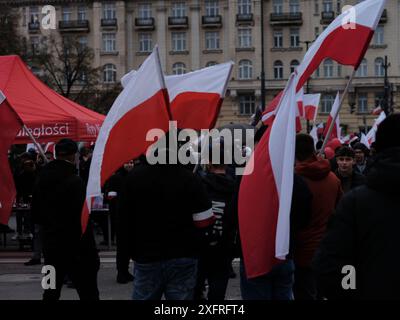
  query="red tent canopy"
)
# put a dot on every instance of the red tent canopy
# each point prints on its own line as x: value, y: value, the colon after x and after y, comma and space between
x: 47, y: 114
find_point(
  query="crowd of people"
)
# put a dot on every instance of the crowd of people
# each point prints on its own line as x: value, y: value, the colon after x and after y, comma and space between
x: 181, y: 228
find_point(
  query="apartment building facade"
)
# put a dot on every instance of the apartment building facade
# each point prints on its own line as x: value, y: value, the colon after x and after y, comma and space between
x: 194, y: 34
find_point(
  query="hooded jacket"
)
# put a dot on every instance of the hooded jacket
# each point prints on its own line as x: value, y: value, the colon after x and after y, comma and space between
x: 326, y: 191
x: 364, y: 233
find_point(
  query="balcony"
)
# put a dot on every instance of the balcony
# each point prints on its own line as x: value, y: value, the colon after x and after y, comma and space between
x: 211, y: 21
x: 286, y: 19
x: 34, y: 26
x: 383, y: 17
x: 109, y: 23
x: 327, y: 17
x: 178, y: 22
x: 74, y: 26
x: 144, y: 24
x: 244, y: 18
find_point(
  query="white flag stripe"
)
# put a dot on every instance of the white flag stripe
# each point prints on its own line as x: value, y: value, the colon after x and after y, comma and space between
x: 202, y: 215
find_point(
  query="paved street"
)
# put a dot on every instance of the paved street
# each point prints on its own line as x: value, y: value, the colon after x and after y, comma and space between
x: 20, y: 282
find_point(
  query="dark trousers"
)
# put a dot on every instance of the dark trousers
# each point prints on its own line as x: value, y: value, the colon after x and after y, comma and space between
x: 215, y: 269
x: 305, y: 287
x: 81, y: 271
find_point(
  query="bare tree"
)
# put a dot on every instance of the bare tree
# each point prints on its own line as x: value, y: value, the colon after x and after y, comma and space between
x: 10, y: 42
x: 67, y: 66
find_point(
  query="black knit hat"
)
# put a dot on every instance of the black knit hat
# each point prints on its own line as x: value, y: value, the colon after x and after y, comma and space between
x: 66, y: 147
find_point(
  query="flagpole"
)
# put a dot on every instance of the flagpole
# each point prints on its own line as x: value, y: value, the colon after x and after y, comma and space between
x: 38, y: 146
x: 346, y: 89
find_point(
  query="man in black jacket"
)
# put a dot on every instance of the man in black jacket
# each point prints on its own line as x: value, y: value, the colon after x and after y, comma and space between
x: 163, y: 207
x: 57, y: 202
x: 358, y: 256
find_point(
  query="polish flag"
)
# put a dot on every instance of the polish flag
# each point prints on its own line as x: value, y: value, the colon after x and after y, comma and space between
x: 140, y: 107
x: 371, y: 135
x: 377, y: 111
x: 345, y: 40
x: 10, y: 125
x: 271, y: 110
x: 336, y: 127
x: 265, y: 193
x: 196, y: 97
x: 314, y: 134
x: 364, y: 140
x: 311, y: 102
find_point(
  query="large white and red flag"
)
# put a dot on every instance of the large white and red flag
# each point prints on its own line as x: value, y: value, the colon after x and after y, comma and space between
x: 336, y: 127
x: 10, y: 125
x: 196, y: 97
x: 141, y: 106
x: 371, y: 135
x: 345, y: 40
x: 310, y: 105
x: 265, y: 194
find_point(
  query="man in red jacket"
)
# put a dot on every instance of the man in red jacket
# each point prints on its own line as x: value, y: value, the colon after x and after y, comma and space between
x: 326, y: 190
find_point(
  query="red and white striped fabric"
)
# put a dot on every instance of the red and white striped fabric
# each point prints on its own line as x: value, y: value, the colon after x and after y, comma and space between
x: 314, y: 134
x: 364, y: 140
x: 10, y: 124
x: 336, y: 127
x: 310, y: 103
x: 377, y: 111
x: 264, y: 215
x: 370, y: 137
x: 141, y: 106
x: 196, y: 97
x: 345, y: 40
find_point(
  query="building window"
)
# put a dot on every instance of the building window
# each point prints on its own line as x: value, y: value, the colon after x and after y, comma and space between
x: 244, y: 38
x: 278, y: 70
x: 35, y: 42
x: 294, y: 6
x: 378, y: 99
x: 66, y: 13
x: 34, y: 14
x: 109, y: 11
x: 212, y: 40
x: 179, y: 68
x: 83, y: 42
x: 145, y: 42
x: 244, y: 6
x: 362, y: 103
x: 145, y: 11
x: 378, y: 35
x: 178, y: 41
x: 278, y: 39
x: 339, y: 7
x: 212, y: 8
x: 316, y: 73
x: 379, y: 70
x: 316, y: 7
x: 245, y: 70
x: 211, y: 63
x: 362, y: 70
x: 339, y: 70
x: 277, y: 6
x: 109, y: 42
x: 327, y: 102
x: 109, y: 73
x: 293, y: 65
x: 82, y: 10
x: 179, y: 9
x: 294, y: 37
x: 247, y: 104
x: 316, y: 32
x: 328, y: 68
x: 327, y: 5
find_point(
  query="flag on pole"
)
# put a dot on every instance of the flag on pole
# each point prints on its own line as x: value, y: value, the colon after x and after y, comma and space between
x: 364, y: 140
x: 140, y: 107
x: 345, y: 40
x: 10, y: 125
x: 310, y: 103
x: 377, y: 111
x: 336, y: 128
x: 314, y: 134
x: 370, y: 137
x: 196, y: 97
x: 266, y: 193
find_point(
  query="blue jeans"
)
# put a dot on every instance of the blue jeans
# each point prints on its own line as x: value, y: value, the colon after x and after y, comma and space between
x: 175, y: 278
x: 275, y: 285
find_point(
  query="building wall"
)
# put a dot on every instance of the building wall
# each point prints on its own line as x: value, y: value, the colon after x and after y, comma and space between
x: 196, y: 54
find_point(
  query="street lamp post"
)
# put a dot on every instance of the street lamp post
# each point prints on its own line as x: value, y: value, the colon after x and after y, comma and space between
x: 262, y: 59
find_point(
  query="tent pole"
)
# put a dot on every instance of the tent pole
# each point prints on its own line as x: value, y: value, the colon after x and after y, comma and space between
x: 38, y: 146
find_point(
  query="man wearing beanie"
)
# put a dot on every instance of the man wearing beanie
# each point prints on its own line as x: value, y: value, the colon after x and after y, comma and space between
x: 57, y: 202
x: 358, y: 256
